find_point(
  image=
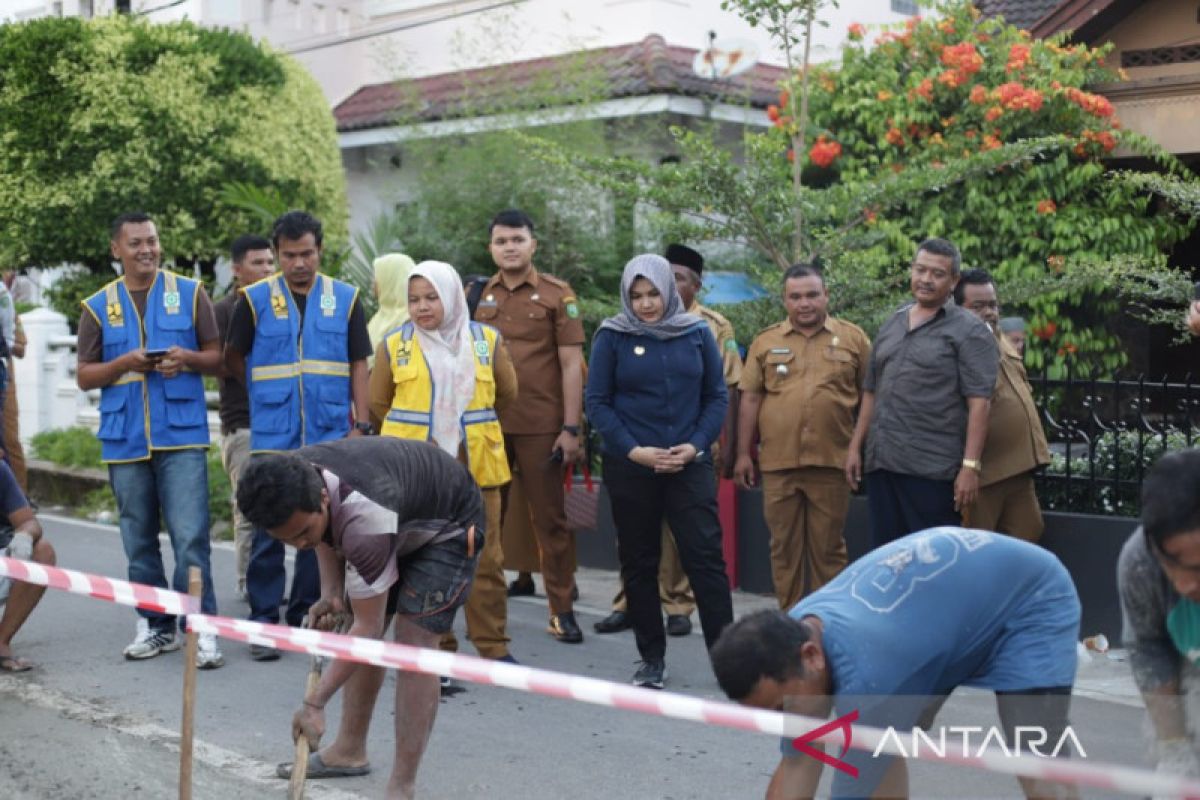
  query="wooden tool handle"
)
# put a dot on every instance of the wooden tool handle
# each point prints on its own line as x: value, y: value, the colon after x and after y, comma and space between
x: 300, y: 764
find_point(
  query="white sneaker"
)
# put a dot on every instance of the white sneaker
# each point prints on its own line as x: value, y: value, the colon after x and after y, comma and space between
x: 148, y: 642
x: 208, y: 655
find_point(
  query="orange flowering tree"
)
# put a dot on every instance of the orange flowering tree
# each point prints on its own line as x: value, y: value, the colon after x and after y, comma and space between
x: 955, y: 127
x: 949, y: 87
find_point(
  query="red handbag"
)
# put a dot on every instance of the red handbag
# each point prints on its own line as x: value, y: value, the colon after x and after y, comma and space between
x: 580, y: 499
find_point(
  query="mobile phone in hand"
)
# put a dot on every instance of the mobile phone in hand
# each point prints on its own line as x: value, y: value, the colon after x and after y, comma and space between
x: 157, y: 354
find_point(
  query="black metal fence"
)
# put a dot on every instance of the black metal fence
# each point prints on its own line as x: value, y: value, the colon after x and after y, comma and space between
x: 1104, y: 436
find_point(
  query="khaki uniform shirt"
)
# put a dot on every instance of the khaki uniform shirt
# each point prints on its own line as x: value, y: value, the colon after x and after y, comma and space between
x: 1016, y: 442
x: 536, y: 318
x: 722, y: 331
x: 812, y: 386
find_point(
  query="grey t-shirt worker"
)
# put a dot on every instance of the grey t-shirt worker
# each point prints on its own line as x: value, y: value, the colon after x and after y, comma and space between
x: 921, y: 379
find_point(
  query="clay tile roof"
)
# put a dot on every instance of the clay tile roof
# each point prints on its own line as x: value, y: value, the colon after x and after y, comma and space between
x: 1022, y: 13
x: 649, y: 67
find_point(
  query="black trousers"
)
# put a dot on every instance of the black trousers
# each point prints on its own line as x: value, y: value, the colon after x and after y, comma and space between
x: 687, y: 499
x: 903, y: 504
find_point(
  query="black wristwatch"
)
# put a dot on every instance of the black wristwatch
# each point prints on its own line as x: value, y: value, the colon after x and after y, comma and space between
x: 572, y: 429
x: 364, y: 428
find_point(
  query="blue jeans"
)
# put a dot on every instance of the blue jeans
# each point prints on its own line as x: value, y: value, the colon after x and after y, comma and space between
x: 173, y: 483
x: 266, y: 575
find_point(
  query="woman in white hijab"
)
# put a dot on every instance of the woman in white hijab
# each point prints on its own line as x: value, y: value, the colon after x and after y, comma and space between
x: 440, y: 378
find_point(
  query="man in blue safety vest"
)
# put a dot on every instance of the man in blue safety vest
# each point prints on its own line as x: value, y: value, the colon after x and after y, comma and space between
x: 305, y: 368
x: 144, y: 340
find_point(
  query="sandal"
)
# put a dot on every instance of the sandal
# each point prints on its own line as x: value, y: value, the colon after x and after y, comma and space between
x: 319, y: 769
x: 14, y: 664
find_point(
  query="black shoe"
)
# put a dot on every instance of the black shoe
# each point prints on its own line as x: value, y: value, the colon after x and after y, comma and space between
x: 448, y: 688
x: 615, y: 622
x: 522, y: 588
x: 261, y: 652
x: 564, y: 628
x: 651, y: 674
x: 679, y: 624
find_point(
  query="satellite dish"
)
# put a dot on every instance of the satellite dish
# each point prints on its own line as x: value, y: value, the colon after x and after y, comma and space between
x: 725, y: 58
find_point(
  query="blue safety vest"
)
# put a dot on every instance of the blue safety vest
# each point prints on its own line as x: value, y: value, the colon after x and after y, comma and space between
x: 140, y: 413
x: 299, y: 379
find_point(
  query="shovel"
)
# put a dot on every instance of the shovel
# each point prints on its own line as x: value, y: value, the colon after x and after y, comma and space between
x: 316, y: 664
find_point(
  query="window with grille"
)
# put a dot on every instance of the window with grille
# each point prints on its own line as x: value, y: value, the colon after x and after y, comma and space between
x: 904, y: 6
x: 1158, y: 56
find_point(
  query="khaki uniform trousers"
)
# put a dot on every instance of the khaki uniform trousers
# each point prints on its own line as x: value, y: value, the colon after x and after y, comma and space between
x: 486, y: 609
x: 1009, y: 506
x: 805, y: 510
x: 521, y: 552
x: 12, y: 434
x: 235, y: 453
x: 541, y: 481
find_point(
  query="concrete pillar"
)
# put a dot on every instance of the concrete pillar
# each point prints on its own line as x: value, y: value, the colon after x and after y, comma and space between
x: 49, y: 359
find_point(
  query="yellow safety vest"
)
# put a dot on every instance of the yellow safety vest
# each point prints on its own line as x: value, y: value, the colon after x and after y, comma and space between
x: 412, y: 403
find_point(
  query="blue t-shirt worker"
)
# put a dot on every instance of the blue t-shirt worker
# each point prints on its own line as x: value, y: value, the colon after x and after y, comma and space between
x: 896, y: 633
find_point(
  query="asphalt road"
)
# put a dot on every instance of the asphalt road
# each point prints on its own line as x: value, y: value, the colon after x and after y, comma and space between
x: 87, y: 723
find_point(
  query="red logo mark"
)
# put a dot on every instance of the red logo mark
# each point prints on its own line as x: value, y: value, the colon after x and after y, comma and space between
x: 801, y: 743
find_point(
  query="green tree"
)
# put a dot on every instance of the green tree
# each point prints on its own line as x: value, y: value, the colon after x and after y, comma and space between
x: 951, y: 127
x: 116, y: 113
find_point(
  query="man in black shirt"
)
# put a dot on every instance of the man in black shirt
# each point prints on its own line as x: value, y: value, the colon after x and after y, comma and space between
x: 397, y: 526
x: 305, y: 370
x: 252, y: 261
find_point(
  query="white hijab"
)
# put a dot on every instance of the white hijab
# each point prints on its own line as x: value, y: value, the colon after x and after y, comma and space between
x: 448, y: 352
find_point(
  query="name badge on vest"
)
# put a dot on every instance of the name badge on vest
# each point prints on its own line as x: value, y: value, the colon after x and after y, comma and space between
x: 403, y: 353
x: 328, y: 301
x: 171, y: 302
x: 113, y: 308
x: 278, y: 302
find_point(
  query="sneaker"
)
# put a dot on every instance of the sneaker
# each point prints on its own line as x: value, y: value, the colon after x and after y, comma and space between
x: 148, y: 642
x: 447, y: 687
x: 208, y: 655
x: 651, y: 674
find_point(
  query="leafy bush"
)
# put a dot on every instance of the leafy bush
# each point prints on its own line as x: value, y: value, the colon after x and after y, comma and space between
x: 68, y: 447
x: 1120, y: 459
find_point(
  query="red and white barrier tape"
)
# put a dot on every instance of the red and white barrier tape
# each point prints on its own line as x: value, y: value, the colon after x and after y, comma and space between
x: 1111, y: 777
x: 125, y: 593
x: 1095, y: 774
